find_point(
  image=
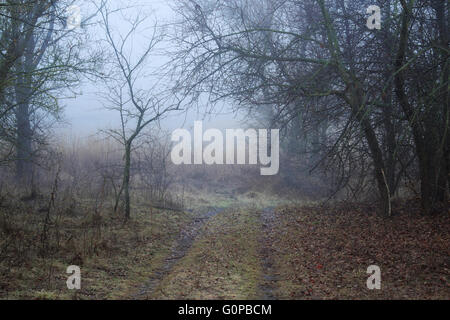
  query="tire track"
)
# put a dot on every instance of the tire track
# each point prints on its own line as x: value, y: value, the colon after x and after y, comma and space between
x: 178, y: 252
x: 268, y: 285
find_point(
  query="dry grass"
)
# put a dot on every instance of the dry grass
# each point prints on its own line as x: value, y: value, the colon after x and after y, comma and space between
x: 222, y: 264
x: 115, y: 259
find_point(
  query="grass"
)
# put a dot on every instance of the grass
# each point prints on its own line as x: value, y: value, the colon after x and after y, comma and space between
x: 315, y: 252
x: 222, y: 264
x: 116, y: 259
x: 114, y: 263
x: 198, y: 199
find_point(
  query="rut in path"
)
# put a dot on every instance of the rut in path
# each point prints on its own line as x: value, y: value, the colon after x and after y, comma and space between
x: 179, y: 250
x: 268, y: 285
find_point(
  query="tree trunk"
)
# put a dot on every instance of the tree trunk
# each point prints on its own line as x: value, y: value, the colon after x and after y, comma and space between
x: 126, y: 181
x: 387, y: 110
x: 24, y: 162
x: 357, y: 103
x: 442, y: 9
x: 24, y: 134
x: 429, y: 137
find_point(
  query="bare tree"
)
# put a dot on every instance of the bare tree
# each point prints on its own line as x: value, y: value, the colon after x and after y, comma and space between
x: 426, y: 105
x: 51, y: 62
x: 137, y: 106
x: 315, y: 63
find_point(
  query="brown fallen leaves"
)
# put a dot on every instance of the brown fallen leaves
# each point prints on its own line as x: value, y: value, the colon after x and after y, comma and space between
x: 324, y: 253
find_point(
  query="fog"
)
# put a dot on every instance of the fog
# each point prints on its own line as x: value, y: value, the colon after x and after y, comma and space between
x: 224, y: 149
x: 85, y: 115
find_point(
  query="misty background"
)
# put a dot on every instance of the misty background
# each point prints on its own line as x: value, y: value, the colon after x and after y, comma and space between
x: 85, y: 115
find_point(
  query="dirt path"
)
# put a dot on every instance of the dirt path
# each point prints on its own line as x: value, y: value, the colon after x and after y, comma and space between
x: 269, y: 280
x: 251, y: 253
x: 179, y: 250
x: 232, y: 258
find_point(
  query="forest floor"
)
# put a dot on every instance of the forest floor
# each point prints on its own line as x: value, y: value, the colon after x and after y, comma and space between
x: 296, y: 252
x: 253, y: 246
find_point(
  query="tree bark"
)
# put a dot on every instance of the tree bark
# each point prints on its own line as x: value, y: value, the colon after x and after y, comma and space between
x: 427, y: 134
x: 126, y: 181
x: 24, y: 134
x: 356, y: 101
